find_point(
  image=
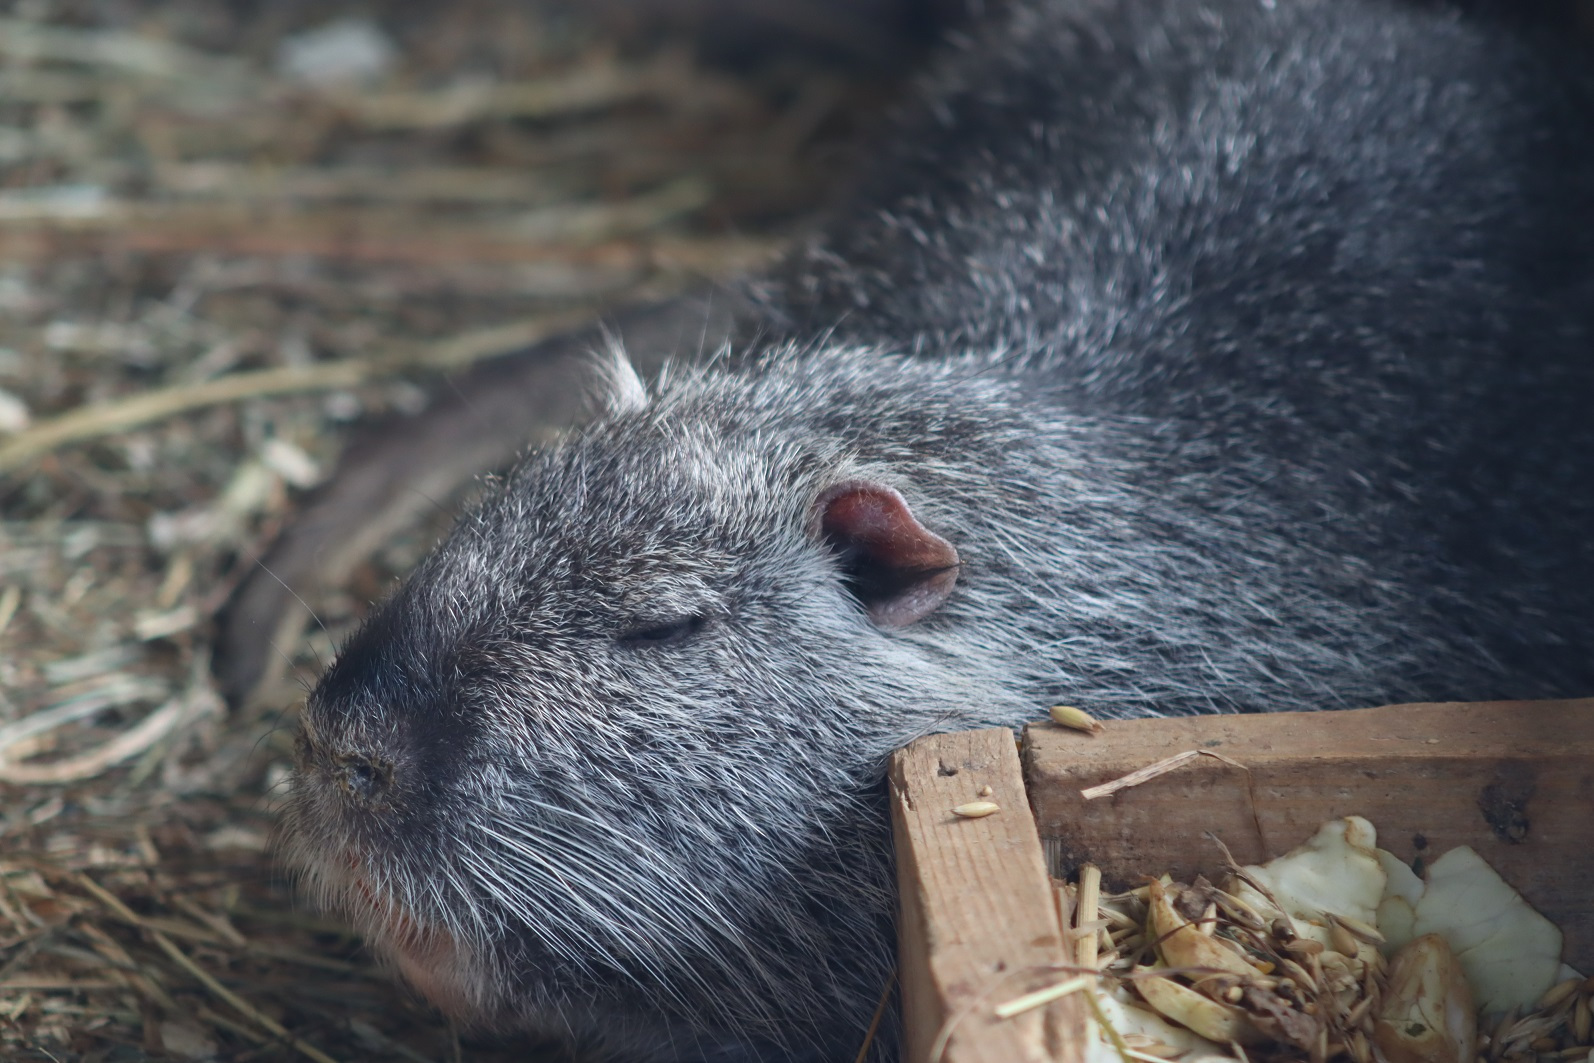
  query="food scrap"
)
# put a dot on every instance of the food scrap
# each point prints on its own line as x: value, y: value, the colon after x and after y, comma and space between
x: 1075, y: 719
x: 1336, y: 950
x: 976, y: 809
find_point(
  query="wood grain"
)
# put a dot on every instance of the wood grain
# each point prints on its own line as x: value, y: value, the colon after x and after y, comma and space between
x: 979, y: 925
x: 1515, y: 780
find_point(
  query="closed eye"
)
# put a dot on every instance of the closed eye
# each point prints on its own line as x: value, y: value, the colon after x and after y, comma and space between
x: 663, y: 632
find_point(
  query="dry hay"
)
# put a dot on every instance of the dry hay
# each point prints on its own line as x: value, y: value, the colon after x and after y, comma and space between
x: 209, y: 269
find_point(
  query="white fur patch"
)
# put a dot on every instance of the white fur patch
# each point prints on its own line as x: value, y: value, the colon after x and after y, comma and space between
x: 620, y: 388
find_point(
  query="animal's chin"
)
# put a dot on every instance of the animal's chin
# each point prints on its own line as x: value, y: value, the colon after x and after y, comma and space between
x: 434, y: 966
x: 431, y: 961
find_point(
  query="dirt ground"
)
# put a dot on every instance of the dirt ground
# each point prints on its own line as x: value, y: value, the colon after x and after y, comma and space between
x: 230, y: 233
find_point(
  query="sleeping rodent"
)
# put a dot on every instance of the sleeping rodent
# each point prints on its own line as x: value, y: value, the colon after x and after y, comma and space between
x: 1171, y: 357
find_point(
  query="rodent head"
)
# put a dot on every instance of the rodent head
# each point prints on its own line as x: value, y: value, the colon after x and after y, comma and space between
x: 613, y: 750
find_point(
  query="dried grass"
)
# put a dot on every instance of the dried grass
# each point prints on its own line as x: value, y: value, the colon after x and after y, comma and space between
x: 207, y: 272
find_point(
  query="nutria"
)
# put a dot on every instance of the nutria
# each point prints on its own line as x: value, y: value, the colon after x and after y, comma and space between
x: 1172, y: 357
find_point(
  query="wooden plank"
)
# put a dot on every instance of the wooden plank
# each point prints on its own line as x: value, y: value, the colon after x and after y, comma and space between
x: 1515, y: 780
x: 978, y: 924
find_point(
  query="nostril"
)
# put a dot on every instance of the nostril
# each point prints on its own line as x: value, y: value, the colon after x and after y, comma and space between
x: 364, y: 779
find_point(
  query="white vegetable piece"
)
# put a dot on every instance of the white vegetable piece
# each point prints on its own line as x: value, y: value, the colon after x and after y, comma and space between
x: 1337, y: 870
x: 1510, y: 952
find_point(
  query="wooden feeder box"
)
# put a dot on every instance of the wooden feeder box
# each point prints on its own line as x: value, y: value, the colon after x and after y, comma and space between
x: 980, y: 920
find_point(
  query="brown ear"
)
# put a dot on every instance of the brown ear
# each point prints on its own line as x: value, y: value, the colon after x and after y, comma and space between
x: 899, y: 569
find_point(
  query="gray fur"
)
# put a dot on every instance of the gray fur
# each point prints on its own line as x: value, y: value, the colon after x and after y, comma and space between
x: 1241, y: 352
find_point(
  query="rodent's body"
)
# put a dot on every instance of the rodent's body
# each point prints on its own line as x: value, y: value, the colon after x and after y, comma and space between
x: 1176, y: 358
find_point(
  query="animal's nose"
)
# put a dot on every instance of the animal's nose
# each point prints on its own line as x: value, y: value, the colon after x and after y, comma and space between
x: 365, y: 780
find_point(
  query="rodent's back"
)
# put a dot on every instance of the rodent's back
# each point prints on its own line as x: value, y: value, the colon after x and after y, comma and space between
x: 1157, y: 197
x: 1295, y: 218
